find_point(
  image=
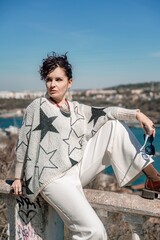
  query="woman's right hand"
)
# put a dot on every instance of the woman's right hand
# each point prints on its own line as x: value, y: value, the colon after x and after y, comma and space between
x: 146, y: 123
x: 16, y: 187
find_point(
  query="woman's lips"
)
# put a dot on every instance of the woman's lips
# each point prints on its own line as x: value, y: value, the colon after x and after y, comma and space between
x: 53, y: 91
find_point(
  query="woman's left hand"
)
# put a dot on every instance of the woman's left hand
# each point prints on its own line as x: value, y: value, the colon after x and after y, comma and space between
x: 16, y: 187
x: 146, y: 123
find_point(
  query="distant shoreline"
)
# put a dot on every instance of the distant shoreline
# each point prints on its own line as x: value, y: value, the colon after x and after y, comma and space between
x: 19, y: 114
x: 12, y: 113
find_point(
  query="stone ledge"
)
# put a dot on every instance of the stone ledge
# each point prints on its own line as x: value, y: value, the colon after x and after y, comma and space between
x: 123, y: 203
x: 112, y: 201
x: 4, y: 187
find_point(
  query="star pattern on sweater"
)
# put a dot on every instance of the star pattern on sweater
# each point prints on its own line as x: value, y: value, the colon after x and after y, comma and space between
x: 42, y: 101
x: 26, y: 120
x: 93, y: 133
x: 22, y: 145
x: 28, y: 158
x: 96, y: 114
x: 27, y: 182
x: 73, y: 162
x: 45, y: 124
x: 25, y: 141
x: 76, y: 144
x: 26, y: 133
x: 78, y: 116
x: 45, y: 161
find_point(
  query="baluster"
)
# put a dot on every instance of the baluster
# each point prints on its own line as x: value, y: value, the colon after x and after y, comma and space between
x: 136, y: 221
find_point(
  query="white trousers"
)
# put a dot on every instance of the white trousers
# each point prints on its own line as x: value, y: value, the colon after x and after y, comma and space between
x: 114, y: 144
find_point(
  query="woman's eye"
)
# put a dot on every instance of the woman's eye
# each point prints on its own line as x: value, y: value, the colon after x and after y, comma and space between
x: 48, y: 79
x: 58, y: 79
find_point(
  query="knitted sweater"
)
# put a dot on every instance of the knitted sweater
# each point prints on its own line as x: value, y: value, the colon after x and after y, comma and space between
x: 51, y: 142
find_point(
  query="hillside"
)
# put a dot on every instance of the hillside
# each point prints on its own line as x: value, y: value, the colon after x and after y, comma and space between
x: 145, y: 96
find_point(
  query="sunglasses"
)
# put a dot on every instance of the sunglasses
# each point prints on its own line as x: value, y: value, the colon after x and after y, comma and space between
x: 148, y: 145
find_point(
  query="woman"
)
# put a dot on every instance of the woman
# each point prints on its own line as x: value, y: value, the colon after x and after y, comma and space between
x: 63, y: 145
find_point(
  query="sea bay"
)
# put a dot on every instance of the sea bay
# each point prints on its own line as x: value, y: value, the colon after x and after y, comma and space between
x: 10, y: 121
x: 139, y: 133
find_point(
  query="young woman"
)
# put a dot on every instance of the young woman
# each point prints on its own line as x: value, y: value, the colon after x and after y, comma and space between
x: 63, y: 145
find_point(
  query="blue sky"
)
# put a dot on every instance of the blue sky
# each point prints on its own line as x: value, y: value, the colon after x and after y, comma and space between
x: 109, y: 42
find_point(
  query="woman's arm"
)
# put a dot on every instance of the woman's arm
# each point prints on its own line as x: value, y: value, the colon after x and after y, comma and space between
x: 96, y: 117
x: 132, y: 115
x: 17, y: 186
x: 21, y: 150
x: 146, y: 123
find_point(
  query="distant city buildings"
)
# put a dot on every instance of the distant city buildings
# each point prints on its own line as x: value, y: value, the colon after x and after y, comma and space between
x: 145, y: 96
x: 115, y: 94
x: 20, y: 95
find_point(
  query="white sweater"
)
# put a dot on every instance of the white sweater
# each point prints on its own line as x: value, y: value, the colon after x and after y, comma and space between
x: 51, y: 142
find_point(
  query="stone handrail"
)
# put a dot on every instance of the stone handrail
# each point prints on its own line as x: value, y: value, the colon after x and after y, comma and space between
x: 37, y: 221
x: 134, y: 209
x: 123, y: 203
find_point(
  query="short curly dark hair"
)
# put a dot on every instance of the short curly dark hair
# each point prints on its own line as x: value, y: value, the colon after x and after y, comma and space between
x: 53, y: 61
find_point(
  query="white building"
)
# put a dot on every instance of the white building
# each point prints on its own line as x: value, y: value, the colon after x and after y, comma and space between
x: 21, y: 95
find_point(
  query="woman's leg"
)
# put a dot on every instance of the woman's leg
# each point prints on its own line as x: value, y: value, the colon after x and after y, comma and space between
x: 114, y: 144
x: 66, y: 196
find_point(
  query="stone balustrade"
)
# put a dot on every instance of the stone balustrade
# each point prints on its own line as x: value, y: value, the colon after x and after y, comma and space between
x: 37, y: 221
x: 134, y: 209
x: 30, y: 220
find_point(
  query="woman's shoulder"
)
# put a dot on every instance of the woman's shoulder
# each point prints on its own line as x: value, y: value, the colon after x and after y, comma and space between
x: 79, y: 104
x: 83, y: 108
x: 76, y: 104
x: 34, y: 103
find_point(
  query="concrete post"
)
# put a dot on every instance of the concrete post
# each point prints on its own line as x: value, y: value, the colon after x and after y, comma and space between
x: 135, y: 222
x: 32, y: 221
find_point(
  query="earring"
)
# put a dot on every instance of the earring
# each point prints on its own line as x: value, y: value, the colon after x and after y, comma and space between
x: 69, y: 95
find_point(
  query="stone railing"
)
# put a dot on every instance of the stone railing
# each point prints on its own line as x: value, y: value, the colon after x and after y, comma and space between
x: 30, y: 220
x: 37, y: 221
x: 134, y: 209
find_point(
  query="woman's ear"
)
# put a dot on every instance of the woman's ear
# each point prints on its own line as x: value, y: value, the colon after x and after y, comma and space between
x: 70, y: 83
x: 68, y: 94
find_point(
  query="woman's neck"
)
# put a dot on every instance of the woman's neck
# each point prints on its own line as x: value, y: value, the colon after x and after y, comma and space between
x: 57, y: 102
x: 63, y: 105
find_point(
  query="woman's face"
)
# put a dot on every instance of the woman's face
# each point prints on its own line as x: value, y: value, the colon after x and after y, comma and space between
x: 57, y: 84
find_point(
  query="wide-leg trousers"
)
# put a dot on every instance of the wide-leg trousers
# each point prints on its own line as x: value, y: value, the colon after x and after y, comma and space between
x: 114, y: 144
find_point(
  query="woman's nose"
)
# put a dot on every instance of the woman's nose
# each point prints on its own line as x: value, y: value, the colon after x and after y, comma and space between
x: 53, y: 83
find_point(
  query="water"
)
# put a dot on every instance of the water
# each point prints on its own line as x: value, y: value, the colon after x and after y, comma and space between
x: 139, y: 134
x: 12, y: 121
x: 6, y: 122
